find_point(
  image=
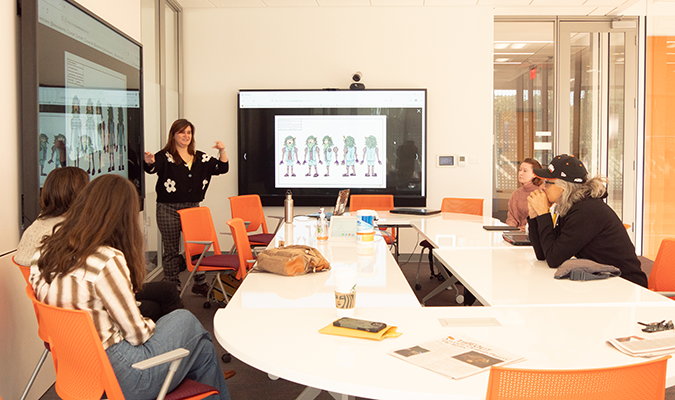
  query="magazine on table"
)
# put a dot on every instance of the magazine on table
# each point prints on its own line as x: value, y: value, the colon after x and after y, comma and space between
x: 455, y: 356
x: 645, y: 344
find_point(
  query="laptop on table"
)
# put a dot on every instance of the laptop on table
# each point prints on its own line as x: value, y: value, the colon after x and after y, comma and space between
x: 414, y: 211
x: 340, y: 205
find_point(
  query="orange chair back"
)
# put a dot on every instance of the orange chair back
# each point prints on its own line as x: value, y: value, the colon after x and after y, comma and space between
x: 25, y: 271
x: 377, y: 202
x: 83, y: 370
x: 197, y: 225
x: 249, y: 208
x: 641, y: 381
x: 238, y: 229
x: 662, y: 275
x: 462, y: 206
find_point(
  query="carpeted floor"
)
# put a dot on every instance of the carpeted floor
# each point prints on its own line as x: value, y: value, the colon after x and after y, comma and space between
x: 252, y: 384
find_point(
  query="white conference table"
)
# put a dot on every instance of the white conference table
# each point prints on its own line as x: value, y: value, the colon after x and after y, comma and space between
x: 287, y: 344
x: 272, y: 321
x: 380, y: 281
x: 514, y: 276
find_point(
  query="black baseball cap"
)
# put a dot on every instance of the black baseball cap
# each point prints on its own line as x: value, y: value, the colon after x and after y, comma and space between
x: 567, y: 168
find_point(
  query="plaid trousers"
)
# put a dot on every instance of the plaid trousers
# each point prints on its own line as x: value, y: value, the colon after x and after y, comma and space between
x: 168, y: 222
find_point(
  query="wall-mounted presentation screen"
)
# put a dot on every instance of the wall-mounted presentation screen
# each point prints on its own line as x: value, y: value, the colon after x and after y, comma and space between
x: 82, y: 102
x: 321, y: 141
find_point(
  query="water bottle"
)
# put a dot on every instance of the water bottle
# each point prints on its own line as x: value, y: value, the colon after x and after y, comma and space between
x: 322, y: 227
x: 288, y: 207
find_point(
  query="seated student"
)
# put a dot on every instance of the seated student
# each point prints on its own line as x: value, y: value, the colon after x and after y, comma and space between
x: 517, y: 215
x: 60, y: 189
x: 95, y: 261
x: 583, y: 226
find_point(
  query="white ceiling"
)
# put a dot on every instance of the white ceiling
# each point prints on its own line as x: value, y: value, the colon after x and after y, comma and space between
x: 502, y: 7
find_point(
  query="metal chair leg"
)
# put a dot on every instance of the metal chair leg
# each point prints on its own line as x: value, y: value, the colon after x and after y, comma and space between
x: 32, y: 378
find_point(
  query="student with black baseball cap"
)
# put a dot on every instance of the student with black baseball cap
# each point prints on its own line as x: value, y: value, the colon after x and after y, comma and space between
x: 583, y: 225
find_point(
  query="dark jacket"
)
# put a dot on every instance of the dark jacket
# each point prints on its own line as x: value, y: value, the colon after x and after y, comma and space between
x: 590, y: 230
x: 178, y: 184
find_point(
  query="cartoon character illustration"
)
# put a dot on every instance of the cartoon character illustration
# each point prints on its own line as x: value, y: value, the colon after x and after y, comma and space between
x: 110, y: 143
x: 60, y: 147
x: 328, y: 149
x: 350, y: 158
x: 84, y: 146
x: 99, y: 144
x: 43, y: 142
x: 312, y: 149
x: 121, y: 144
x: 289, y: 155
x: 90, y: 132
x: 370, y: 153
x: 75, y: 130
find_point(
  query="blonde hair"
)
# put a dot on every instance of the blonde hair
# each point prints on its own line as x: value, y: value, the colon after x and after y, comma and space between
x: 575, y: 192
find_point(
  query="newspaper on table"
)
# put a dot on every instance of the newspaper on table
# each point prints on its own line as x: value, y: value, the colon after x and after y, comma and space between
x: 645, y: 344
x: 455, y: 356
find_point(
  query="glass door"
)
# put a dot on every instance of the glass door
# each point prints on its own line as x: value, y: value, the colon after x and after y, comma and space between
x: 597, y: 105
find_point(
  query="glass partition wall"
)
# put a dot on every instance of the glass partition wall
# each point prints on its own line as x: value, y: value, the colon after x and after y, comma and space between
x: 566, y: 87
x: 524, y: 57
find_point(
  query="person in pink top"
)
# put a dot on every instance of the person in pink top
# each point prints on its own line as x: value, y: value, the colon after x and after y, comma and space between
x: 518, y: 212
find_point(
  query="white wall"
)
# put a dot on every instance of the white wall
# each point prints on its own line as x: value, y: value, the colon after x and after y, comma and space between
x: 20, y: 347
x: 447, y: 50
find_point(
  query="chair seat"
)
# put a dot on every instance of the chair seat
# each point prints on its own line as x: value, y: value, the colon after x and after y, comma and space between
x: 188, y: 389
x: 218, y: 262
x: 426, y: 244
x: 260, y: 239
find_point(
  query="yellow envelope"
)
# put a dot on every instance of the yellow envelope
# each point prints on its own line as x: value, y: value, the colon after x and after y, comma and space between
x: 389, y: 331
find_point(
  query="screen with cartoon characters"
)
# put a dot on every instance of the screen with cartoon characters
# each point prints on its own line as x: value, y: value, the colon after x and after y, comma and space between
x: 82, y: 103
x: 318, y: 142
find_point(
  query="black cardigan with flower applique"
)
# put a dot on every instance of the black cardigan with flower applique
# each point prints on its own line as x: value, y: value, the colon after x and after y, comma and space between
x: 178, y: 184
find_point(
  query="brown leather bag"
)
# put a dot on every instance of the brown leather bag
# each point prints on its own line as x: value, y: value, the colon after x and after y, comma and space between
x: 292, y: 260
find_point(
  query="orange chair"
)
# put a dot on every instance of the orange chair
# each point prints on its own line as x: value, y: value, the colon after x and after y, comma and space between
x: 199, y: 235
x: 25, y: 271
x: 83, y: 370
x: 376, y: 202
x: 642, y: 381
x: 246, y: 257
x: 662, y: 275
x: 462, y: 206
x: 249, y: 208
x: 452, y: 205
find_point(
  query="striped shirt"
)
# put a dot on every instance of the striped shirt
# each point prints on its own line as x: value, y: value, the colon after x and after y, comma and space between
x: 102, y: 288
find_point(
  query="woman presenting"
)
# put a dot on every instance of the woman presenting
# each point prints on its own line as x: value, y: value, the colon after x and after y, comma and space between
x: 583, y: 225
x: 183, y: 178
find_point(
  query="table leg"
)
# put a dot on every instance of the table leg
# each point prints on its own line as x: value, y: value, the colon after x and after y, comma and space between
x: 309, y: 393
x: 339, y: 396
x: 449, y: 281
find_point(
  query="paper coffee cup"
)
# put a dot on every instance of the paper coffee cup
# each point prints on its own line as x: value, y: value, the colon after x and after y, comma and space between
x: 345, y: 291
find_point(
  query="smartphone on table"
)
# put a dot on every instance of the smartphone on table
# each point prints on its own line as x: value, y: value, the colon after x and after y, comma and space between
x: 360, y: 324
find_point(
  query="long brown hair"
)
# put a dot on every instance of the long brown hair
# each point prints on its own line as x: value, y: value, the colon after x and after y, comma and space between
x: 177, y: 127
x: 535, y: 164
x: 61, y: 187
x: 104, y: 214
